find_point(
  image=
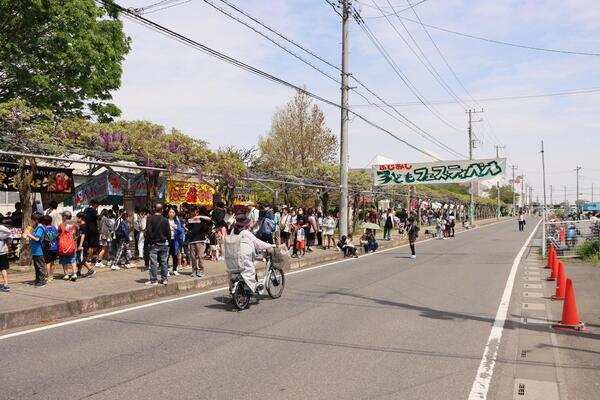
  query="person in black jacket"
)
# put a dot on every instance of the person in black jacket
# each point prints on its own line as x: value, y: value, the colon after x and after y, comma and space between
x: 198, y: 227
x: 157, y: 234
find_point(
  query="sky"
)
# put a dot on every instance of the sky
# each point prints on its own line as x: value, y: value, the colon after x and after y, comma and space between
x: 177, y: 86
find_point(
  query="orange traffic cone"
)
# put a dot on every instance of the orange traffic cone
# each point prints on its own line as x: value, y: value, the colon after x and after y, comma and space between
x: 551, y: 255
x: 554, y: 271
x: 561, y: 283
x: 570, y: 318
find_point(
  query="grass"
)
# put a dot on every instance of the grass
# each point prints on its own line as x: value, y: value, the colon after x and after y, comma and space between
x: 588, y: 252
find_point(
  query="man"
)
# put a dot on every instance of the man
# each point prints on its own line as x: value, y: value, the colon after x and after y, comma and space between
x: 198, y: 227
x: 157, y: 234
x: 521, y: 221
x: 93, y: 235
x: 17, y: 215
x: 55, y: 214
x: 413, y: 232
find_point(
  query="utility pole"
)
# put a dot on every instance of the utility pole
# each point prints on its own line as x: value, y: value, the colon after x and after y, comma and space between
x: 592, y: 192
x: 514, y: 210
x: 566, y: 203
x: 523, y: 190
x: 551, y: 192
x: 498, y: 147
x: 577, y: 169
x: 343, y: 224
x: 471, y: 146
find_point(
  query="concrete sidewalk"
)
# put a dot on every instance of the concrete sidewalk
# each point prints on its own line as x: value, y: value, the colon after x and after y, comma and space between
x: 26, y: 305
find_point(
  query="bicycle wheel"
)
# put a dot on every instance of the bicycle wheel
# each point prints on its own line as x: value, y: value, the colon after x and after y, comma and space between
x: 275, y: 283
x: 241, y: 299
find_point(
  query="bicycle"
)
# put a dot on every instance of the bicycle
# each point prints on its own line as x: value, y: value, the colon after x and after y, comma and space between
x: 273, y: 282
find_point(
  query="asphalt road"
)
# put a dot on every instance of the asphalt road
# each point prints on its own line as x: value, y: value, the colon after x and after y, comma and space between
x: 378, y: 327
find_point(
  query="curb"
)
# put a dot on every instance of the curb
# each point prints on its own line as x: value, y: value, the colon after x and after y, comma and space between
x: 54, y: 312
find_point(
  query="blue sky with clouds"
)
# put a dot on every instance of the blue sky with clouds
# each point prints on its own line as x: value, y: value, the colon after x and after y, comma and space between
x: 174, y: 85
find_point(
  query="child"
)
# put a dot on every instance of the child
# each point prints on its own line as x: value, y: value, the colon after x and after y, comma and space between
x: 300, y: 242
x: 36, y: 235
x: 50, y: 246
x: 4, y: 238
x: 67, y: 247
x: 214, y: 245
x: 122, y: 242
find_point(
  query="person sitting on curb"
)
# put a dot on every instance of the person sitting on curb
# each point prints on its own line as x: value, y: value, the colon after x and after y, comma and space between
x: 346, y: 245
x: 369, y: 242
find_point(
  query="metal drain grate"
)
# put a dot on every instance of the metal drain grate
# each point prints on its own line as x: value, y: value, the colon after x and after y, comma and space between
x: 521, y: 391
x: 523, y: 353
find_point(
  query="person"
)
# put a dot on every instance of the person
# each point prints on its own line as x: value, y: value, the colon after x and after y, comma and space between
x: 140, y: 228
x: 246, y: 245
x: 348, y: 247
x: 388, y: 225
x: 328, y: 230
x: 521, y: 221
x: 158, y: 233
x: 369, y: 242
x: 265, y: 227
x: 412, y: 231
x: 106, y: 231
x: 276, y: 219
x: 55, y: 214
x: 197, y: 227
x: 175, y: 238
x: 137, y: 217
x: 68, y: 231
x: 4, y: 263
x: 93, y: 235
x: 38, y: 207
x: 285, y: 223
x: 213, y: 242
x: 300, y: 242
x: 122, y: 242
x: 320, y: 231
x: 218, y: 218
x: 82, y: 247
x: 253, y: 216
x: 50, y: 246
x: 451, y: 224
x: 36, y: 236
x: 311, y: 230
x: 17, y: 215
x: 229, y: 220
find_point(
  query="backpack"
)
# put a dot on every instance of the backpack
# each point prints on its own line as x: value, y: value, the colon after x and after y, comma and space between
x: 66, y: 241
x: 236, y: 250
x: 50, y: 239
x: 119, y: 233
x: 266, y: 228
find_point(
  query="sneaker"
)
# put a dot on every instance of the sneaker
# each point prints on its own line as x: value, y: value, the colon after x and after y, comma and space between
x: 40, y: 285
x: 200, y: 274
x: 66, y: 277
x: 413, y: 257
x: 90, y: 273
x: 150, y: 283
x: 99, y: 265
x: 74, y: 278
x: 164, y: 282
x: 115, y: 268
x: 194, y: 274
x: 5, y: 288
x: 127, y: 266
x: 176, y: 273
x: 50, y: 278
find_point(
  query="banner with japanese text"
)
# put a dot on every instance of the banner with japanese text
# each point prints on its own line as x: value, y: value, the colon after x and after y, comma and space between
x: 459, y: 171
x: 189, y: 192
x: 45, y: 179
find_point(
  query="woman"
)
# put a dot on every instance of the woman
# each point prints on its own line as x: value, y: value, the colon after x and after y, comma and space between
x: 175, y: 238
x: 320, y: 231
x: 313, y: 228
x: 328, y: 228
x: 389, y: 225
x: 285, y: 223
x: 413, y: 233
x: 229, y: 219
x: 106, y: 230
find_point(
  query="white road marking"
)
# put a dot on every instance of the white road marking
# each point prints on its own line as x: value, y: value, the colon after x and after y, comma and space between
x: 481, y: 384
x: 156, y: 303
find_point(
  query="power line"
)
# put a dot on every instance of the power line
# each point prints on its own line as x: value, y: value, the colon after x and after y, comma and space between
x: 230, y: 60
x: 404, y: 120
x: 384, y: 53
x: 522, y: 46
x: 390, y: 14
x: 504, y: 98
x: 422, y: 57
x: 167, y: 7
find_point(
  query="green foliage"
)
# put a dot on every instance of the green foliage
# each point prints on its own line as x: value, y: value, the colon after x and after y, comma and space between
x: 587, y: 249
x: 506, y: 194
x: 61, y: 55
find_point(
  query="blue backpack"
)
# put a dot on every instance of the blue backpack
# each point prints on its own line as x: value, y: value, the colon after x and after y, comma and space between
x: 50, y: 239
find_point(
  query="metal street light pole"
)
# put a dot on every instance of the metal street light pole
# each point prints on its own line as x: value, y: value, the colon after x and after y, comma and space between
x: 343, y: 224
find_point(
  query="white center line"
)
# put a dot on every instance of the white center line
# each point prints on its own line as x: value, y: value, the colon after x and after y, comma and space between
x: 481, y: 384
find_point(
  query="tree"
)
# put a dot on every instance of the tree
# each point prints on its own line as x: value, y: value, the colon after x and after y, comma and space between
x: 26, y: 129
x: 299, y: 140
x: 61, y: 55
x: 506, y: 194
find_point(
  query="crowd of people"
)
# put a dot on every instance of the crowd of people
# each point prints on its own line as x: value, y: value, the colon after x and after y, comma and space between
x: 174, y: 238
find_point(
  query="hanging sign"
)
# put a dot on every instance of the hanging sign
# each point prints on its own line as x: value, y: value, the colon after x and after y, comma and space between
x: 242, y: 196
x: 189, y: 192
x: 45, y: 179
x: 459, y: 171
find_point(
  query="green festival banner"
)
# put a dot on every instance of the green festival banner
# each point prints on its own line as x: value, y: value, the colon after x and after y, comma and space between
x: 459, y: 171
